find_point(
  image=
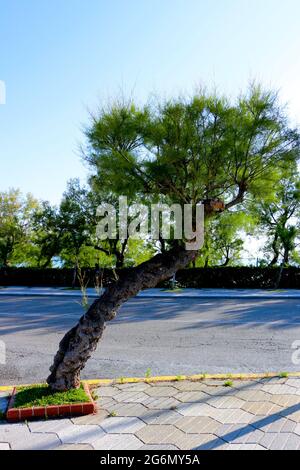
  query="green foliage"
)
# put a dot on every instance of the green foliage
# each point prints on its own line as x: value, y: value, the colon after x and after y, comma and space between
x: 47, y: 233
x: 228, y: 383
x: 189, y: 150
x: 202, y: 148
x: 138, y: 251
x: 115, y: 136
x: 278, y: 217
x: 88, y: 257
x: 16, y: 212
x: 224, y: 239
x: 179, y: 378
x: 283, y: 375
x: 197, y: 149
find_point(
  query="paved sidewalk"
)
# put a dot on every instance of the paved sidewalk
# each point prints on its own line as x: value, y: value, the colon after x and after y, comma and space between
x: 160, y: 293
x: 258, y: 414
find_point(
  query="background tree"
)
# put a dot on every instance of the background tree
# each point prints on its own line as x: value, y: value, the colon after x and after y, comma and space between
x: 64, y: 231
x: 75, y: 214
x: 224, y: 239
x: 121, y: 250
x: 278, y: 218
x: 185, y: 151
x: 68, y: 233
x: 47, y: 233
x: 16, y: 215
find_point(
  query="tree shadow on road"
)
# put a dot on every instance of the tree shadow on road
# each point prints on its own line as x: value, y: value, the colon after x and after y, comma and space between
x: 23, y: 314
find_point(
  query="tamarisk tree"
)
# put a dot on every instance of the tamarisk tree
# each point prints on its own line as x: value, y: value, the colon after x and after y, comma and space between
x: 205, y: 148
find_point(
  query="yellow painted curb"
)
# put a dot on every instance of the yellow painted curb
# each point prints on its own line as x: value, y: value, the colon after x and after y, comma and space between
x: 177, y: 378
x: 6, y: 388
x: 172, y: 378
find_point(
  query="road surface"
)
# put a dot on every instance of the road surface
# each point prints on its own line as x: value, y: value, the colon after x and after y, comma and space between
x: 168, y: 336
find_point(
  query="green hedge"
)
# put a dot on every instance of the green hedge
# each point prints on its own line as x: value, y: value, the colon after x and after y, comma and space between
x: 254, y: 278
x: 239, y: 278
x: 50, y: 277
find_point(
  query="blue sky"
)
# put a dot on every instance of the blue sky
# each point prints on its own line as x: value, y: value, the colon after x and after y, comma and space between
x: 59, y: 58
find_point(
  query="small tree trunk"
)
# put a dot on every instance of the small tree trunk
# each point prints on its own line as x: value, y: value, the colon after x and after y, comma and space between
x: 278, y: 280
x: 47, y: 262
x: 120, y: 260
x: 78, y: 344
x: 286, y: 257
x: 275, y: 249
x: 226, y: 262
x: 75, y: 274
x: 285, y: 262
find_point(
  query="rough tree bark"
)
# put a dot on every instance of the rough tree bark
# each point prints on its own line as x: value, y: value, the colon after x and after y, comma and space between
x: 79, y: 343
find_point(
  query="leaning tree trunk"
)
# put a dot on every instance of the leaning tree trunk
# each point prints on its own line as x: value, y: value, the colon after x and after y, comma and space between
x: 78, y: 344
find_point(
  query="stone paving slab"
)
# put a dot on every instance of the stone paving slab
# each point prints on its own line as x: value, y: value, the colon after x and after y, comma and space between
x: 96, y: 418
x: 4, y: 446
x: 191, y: 397
x: 161, y: 403
x: 234, y: 433
x: 75, y: 447
x: 161, y: 417
x: 118, y: 442
x: 199, y: 425
x: 182, y: 415
x: 158, y: 447
x: 128, y: 425
x: 280, y: 425
x: 135, y: 387
x: 131, y: 397
x: 261, y: 409
x: 244, y: 447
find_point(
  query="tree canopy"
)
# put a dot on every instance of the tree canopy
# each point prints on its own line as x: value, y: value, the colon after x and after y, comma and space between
x: 203, y: 148
x: 187, y: 150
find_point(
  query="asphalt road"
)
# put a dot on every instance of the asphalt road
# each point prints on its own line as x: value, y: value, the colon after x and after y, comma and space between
x: 168, y: 336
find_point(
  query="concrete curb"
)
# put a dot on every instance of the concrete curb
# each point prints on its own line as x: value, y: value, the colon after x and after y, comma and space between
x: 221, y: 296
x: 204, y: 296
x: 199, y: 377
x: 172, y: 378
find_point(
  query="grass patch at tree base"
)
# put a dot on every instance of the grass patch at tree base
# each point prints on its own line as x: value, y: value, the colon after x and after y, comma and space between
x: 41, y: 395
